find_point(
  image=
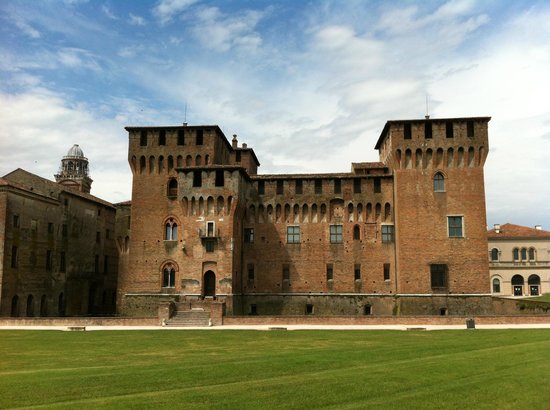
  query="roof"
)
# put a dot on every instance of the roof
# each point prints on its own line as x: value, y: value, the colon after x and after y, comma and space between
x: 389, y: 123
x: 511, y: 231
x: 75, y: 151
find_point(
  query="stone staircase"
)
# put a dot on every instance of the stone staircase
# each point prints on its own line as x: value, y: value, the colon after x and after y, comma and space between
x: 189, y: 318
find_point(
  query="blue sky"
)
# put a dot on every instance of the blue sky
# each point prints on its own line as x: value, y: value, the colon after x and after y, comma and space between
x: 309, y: 85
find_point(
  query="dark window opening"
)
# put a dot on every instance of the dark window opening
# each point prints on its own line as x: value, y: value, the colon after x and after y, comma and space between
x: 199, y: 137
x: 50, y: 227
x: 286, y: 272
x: 49, y: 260
x: 318, y: 186
x: 220, y: 178
x: 407, y: 134
x: 248, y: 235
x: 298, y: 186
x: 14, y: 256
x: 367, y: 310
x: 197, y: 178
x: 16, y: 221
x: 64, y: 231
x: 251, y: 272
x: 62, y: 262
x: 494, y: 255
x: 496, y: 285
x: 470, y: 129
x: 309, y: 309
x: 386, y: 271
x: 209, y: 246
x: 438, y: 273
x: 98, y: 237
x: 168, y: 277
x: 162, y: 137
x: 356, y: 186
x: 172, y: 188
x: 280, y: 187
x: 449, y: 132
x: 443, y: 311
x: 337, y: 186
x: 238, y: 156
x: 357, y: 272
x: 261, y: 187
x: 107, y: 234
x: 96, y: 264
x: 181, y: 137
x: 105, y: 264
x: 330, y: 272
x: 439, y: 182
x: 253, y: 309
x: 356, y: 233
x: 428, y: 130
x: 143, y: 138
x: 377, y: 185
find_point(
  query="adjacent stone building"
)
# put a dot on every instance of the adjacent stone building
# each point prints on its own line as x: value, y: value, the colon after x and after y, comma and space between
x: 519, y: 260
x: 58, y: 255
x: 405, y: 235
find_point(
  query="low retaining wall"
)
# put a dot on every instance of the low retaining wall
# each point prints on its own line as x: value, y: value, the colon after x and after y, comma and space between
x: 79, y: 321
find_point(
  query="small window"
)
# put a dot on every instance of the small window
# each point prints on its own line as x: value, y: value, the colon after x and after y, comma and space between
x: 523, y: 254
x: 248, y: 235
x: 438, y: 273
x: 143, y: 138
x: 209, y: 245
x: 470, y: 129
x: 197, y: 178
x: 96, y: 264
x: 357, y: 186
x: 428, y: 129
x: 449, y: 132
x: 261, y: 187
x: 496, y: 285
x: 50, y: 227
x: 251, y: 272
x: 210, y: 229
x: 516, y: 254
x: 171, y: 230
x: 439, y: 182
x: 494, y: 255
x: 238, y: 156
x: 309, y: 309
x: 318, y: 186
x: 107, y: 234
x: 105, y: 264
x: 407, y: 134
x: 253, y: 310
x: 48, y: 260
x: 337, y: 186
x: 330, y: 272
x: 98, y: 237
x: 531, y: 254
x: 377, y: 186
x: 286, y: 272
x: 357, y: 272
x: 336, y: 234
x: 280, y: 187
x: 298, y: 187
x: 356, y: 233
x: 172, y: 188
x: 220, y: 178
x: 367, y: 310
x: 386, y: 271
x: 14, y: 256
x: 293, y: 234
x: 16, y: 221
x: 455, y: 226
x: 168, y: 277
x: 387, y: 233
x: 64, y: 230
x: 62, y: 262
x: 162, y: 137
x: 199, y: 137
x: 181, y: 137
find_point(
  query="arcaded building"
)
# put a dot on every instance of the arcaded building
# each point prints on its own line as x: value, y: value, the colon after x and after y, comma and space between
x: 58, y: 255
x: 405, y: 235
x: 519, y: 260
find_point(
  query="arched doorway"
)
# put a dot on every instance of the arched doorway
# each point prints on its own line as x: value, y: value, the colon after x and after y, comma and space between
x: 517, y: 285
x: 534, y: 285
x: 30, y: 306
x: 15, y: 306
x: 209, y: 284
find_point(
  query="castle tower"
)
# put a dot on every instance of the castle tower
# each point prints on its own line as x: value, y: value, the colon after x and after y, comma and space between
x: 74, y: 170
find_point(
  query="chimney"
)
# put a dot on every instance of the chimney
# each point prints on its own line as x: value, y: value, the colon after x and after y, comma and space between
x: 244, y: 145
x: 234, y: 142
x: 538, y: 227
x: 497, y: 228
x: 185, y: 124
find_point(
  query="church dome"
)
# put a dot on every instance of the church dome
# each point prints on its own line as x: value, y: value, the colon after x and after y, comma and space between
x: 75, y: 151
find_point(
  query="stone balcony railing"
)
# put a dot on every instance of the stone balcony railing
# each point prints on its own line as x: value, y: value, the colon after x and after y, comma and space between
x: 518, y: 264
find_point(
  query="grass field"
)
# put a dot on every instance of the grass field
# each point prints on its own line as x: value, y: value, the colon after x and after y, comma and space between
x: 276, y: 369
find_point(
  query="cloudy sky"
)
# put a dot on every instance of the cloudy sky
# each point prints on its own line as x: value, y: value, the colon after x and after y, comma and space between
x: 309, y: 85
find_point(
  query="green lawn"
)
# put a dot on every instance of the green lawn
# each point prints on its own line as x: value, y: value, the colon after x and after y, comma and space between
x: 459, y: 369
x: 542, y: 298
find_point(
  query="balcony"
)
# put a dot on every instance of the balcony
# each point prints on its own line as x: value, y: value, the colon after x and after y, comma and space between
x: 209, y: 233
x: 518, y: 264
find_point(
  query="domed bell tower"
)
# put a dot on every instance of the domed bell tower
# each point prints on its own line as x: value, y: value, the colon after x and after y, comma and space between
x: 74, y: 170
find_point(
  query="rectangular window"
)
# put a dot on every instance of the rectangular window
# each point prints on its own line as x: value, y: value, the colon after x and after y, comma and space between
x: 286, y: 272
x: 209, y: 246
x: 470, y: 129
x: 107, y: 234
x: 298, y: 188
x: 62, y: 262
x: 48, y: 260
x: 98, y: 237
x: 96, y: 264
x: 280, y: 187
x: 387, y: 233
x: 248, y: 235
x: 377, y: 185
x: 318, y: 186
x: 14, y: 256
x: 238, y: 156
x: 386, y: 271
x: 251, y: 272
x: 143, y: 138
x: 16, y: 221
x: 220, y: 179
x: 261, y: 187
x: 199, y: 137
x: 337, y: 186
x: 105, y: 264
x: 293, y: 234
x: 438, y: 276
x: 449, y: 132
x: 210, y: 229
x: 162, y: 137
x: 330, y: 272
x: 407, y: 134
x: 357, y: 186
x: 336, y: 234
x: 253, y: 309
x: 309, y: 309
x: 455, y: 224
x: 357, y: 272
x: 197, y: 178
x: 181, y: 137
x: 50, y: 227
x: 428, y: 129
x: 64, y: 230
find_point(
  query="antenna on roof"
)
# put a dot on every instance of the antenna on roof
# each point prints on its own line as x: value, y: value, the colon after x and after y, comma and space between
x: 427, y: 116
x: 185, y: 113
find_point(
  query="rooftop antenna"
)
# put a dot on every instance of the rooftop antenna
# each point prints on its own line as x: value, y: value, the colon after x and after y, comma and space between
x: 185, y: 114
x: 427, y: 116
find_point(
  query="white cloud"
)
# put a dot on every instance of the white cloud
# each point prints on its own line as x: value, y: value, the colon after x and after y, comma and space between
x: 78, y: 58
x: 136, y: 20
x: 108, y: 12
x: 165, y: 10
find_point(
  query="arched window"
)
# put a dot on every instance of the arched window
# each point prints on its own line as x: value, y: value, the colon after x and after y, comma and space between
x: 171, y: 231
x: 531, y: 254
x: 168, y: 276
x: 494, y: 255
x: 534, y: 285
x: 516, y: 254
x: 523, y: 254
x: 496, y: 285
x: 356, y: 233
x: 517, y: 285
x: 439, y: 182
x: 172, y: 188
